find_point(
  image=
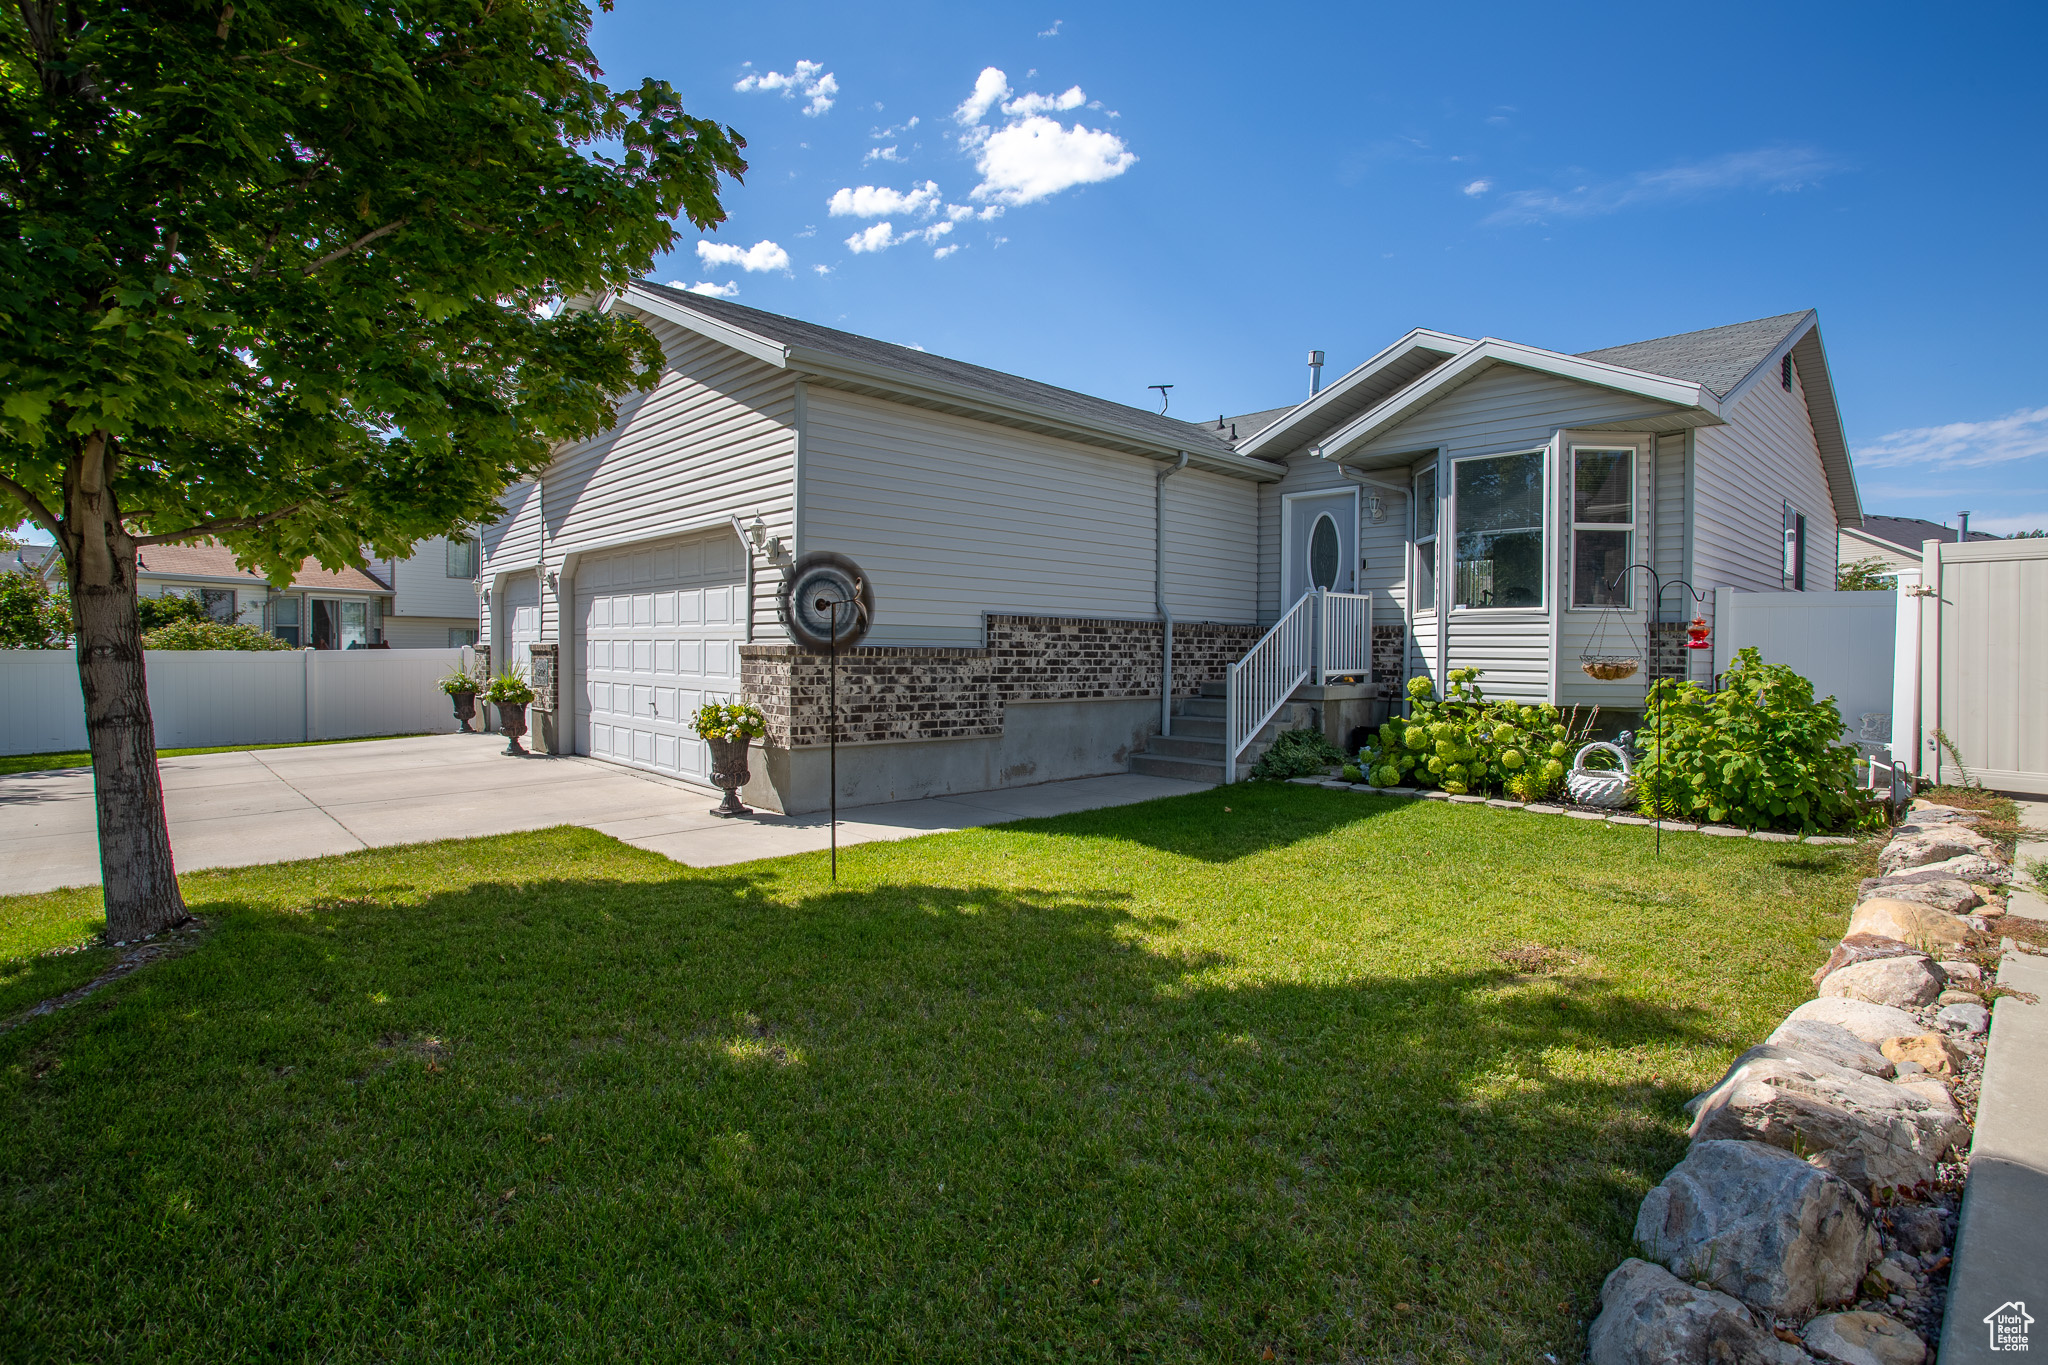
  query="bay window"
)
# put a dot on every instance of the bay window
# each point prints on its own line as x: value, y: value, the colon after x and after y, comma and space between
x: 1424, y: 505
x: 1497, y: 503
x: 1603, y: 526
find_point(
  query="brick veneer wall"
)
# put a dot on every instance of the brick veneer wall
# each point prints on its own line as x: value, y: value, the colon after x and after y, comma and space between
x: 891, y: 692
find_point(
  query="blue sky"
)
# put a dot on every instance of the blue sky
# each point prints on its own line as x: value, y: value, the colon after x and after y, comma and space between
x: 1198, y: 195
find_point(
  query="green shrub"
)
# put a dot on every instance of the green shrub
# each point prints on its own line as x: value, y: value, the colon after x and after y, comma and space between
x: 32, y: 615
x: 168, y: 609
x: 1464, y: 743
x: 1297, y: 753
x: 1761, y: 753
x: 209, y: 634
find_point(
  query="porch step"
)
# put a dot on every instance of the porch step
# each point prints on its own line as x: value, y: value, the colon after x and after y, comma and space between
x: 1194, y: 751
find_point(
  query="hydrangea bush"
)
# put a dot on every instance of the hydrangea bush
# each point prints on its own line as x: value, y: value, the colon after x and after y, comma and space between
x: 1464, y: 743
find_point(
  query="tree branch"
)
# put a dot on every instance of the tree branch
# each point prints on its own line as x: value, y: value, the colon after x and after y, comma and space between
x: 34, y: 505
x: 215, y: 525
x: 362, y: 241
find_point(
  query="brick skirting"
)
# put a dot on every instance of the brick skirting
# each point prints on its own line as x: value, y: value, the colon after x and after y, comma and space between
x: 891, y: 692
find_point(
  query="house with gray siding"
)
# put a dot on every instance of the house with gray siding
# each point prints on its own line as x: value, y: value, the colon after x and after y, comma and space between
x: 1032, y: 550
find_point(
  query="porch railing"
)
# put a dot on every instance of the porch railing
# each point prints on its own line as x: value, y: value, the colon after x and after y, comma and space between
x: 1344, y: 635
x: 1324, y: 635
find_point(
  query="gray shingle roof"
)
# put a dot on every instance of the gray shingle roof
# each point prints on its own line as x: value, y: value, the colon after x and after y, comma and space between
x: 1910, y: 531
x: 913, y: 363
x: 1719, y: 357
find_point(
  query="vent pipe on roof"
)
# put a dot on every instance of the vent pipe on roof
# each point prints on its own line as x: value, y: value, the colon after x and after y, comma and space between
x: 1962, y: 527
x: 1315, y: 373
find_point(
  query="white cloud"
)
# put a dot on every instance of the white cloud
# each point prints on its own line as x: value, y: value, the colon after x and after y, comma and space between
x: 1477, y: 187
x: 822, y: 269
x: 2021, y: 435
x: 1031, y: 157
x: 873, y: 201
x: 1052, y: 32
x: 883, y: 154
x: 882, y: 236
x: 762, y: 255
x: 943, y: 252
x: 707, y: 288
x: 1037, y: 158
x: 960, y: 213
x: 1026, y: 105
x: 809, y: 79
x: 1768, y: 168
x: 989, y: 87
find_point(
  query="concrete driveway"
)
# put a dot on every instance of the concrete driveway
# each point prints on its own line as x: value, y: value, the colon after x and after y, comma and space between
x: 276, y: 805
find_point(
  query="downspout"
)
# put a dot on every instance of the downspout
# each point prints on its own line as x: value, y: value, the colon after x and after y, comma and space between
x: 1159, y: 590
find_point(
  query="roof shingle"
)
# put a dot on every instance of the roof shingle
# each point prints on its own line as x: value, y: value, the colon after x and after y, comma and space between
x: 1718, y: 357
x: 911, y: 361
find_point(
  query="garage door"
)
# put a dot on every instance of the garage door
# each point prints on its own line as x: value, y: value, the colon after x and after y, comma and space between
x: 522, y: 620
x: 658, y: 634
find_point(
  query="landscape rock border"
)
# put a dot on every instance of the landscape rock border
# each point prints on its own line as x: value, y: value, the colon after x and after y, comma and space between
x: 1871, y: 1086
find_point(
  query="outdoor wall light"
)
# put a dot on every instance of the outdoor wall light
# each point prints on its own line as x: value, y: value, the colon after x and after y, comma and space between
x: 1375, y: 507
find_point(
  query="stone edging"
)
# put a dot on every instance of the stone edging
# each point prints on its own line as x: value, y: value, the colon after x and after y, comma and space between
x: 1618, y: 817
x: 1814, y: 1216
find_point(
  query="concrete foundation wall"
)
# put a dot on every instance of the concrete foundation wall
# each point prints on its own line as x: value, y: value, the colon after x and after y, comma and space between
x: 1040, y: 742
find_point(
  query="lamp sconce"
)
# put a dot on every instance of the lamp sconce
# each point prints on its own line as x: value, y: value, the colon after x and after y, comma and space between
x: 768, y: 545
x: 1376, y: 507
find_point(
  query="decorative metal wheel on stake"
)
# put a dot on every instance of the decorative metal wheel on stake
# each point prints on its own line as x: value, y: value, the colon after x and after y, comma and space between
x: 1657, y: 585
x: 819, y: 591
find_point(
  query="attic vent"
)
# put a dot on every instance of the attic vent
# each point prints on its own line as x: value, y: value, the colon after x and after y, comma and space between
x: 1785, y: 373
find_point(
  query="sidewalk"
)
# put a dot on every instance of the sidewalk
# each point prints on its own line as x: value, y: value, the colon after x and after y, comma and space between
x: 2001, y: 1255
x: 277, y: 805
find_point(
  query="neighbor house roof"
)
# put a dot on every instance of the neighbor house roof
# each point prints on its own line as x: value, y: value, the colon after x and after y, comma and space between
x: 210, y: 559
x: 863, y: 364
x: 1910, y: 532
x: 36, y: 559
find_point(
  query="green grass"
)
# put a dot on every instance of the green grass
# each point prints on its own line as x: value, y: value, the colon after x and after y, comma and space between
x: 1190, y: 1080
x: 42, y: 763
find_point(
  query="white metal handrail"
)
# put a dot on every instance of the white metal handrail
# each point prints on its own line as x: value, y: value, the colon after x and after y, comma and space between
x: 1261, y: 682
x: 1344, y: 638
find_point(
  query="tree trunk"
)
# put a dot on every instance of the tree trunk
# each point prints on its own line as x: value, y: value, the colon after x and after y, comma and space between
x: 138, y: 881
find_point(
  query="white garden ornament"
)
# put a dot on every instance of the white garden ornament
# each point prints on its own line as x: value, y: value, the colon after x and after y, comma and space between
x: 1601, y: 787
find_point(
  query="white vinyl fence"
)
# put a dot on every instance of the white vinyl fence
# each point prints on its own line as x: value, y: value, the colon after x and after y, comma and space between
x: 1841, y: 642
x: 202, y: 698
x: 1974, y: 621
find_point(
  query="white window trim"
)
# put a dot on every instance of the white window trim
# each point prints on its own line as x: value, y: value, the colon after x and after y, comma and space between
x: 1434, y: 540
x: 1788, y: 529
x: 1574, y: 526
x: 1542, y: 604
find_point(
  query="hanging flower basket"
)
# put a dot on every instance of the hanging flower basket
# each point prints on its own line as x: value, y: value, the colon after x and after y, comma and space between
x: 1610, y: 667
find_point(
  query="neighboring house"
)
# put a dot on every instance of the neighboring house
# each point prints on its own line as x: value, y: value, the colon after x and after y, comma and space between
x: 1028, y: 546
x: 433, y: 594
x: 425, y: 602
x: 1896, y: 540
x: 41, y: 560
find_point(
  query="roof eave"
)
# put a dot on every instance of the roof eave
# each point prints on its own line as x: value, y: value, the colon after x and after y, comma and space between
x: 973, y: 401
x: 1489, y: 351
x: 749, y: 343
x: 1420, y: 339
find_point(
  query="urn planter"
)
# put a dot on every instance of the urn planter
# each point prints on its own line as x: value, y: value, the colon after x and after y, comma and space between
x: 729, y: 771
x: 465, y: 710
x: 512, y: 720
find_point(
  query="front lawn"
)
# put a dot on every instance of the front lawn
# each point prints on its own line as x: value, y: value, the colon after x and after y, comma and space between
x: 1271, y: 1069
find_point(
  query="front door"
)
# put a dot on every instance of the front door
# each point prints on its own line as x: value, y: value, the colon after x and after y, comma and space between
x: 1320, y: 544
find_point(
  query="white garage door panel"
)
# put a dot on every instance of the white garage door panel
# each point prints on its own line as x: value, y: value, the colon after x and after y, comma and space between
x: 522, y: 620
x: 658, y: 635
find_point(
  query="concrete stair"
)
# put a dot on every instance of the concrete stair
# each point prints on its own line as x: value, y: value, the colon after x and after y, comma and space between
x: 1194, y: 751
